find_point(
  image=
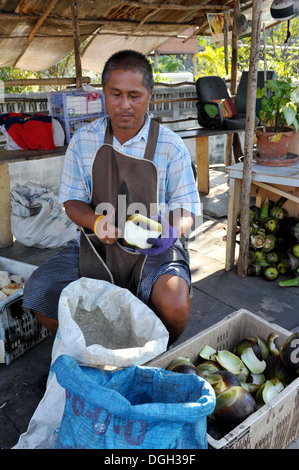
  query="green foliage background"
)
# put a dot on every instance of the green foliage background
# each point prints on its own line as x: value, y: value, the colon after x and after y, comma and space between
x: 281, y: 56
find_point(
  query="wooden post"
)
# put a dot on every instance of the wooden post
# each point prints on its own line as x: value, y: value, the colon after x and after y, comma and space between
x: 76, y: 34
x: 234, y: 66
x: 194, y: 64
x: 225, y: 36
x: 265, y: 58
x: 156, y: 56
x: 233, y: 83
x: 5, y: 207
x: 202, y: 164
x: 228, y: 149
x: 249, y: 132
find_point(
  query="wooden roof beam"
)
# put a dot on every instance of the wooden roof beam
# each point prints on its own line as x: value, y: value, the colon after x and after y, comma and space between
x: 191, y: 35
x: 39, y: 23
x: 101, y: 31
x: 101, y: 22
x: 164, y: 6
x: 209, y: 8
x: 141, y: 23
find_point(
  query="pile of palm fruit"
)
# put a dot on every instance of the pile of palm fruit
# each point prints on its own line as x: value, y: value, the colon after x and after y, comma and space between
x: 274, y: 243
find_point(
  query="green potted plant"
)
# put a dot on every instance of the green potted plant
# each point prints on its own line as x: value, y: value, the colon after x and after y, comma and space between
x: 280, y: 118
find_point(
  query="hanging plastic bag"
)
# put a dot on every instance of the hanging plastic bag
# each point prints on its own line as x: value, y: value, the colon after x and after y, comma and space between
x: 100, y: 324
x: 133, y: 408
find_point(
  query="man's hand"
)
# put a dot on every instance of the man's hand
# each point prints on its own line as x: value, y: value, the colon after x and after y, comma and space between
x: 84, y: 215
x: 105, y: 229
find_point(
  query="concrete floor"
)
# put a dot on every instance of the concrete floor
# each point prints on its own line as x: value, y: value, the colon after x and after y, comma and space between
x: 216, y: 294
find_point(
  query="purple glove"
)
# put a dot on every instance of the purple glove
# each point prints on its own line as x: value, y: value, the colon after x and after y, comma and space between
x: 168, y: 236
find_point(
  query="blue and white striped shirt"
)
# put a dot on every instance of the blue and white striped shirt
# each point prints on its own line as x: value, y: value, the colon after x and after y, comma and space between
x: 177, y: 188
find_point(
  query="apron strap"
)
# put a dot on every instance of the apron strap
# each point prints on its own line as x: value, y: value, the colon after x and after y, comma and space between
x: 108, y: 139
x: 151, y: 141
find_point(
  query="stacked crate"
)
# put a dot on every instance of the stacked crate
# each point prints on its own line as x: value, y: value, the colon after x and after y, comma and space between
x: 75, y: 108
x: 19, y: 328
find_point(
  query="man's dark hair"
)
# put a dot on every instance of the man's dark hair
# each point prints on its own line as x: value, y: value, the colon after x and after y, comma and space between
x: 129, y: 60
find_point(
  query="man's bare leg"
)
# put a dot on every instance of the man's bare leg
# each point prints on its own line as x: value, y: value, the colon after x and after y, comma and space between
x: 171, y: 302
x: 49, y: 323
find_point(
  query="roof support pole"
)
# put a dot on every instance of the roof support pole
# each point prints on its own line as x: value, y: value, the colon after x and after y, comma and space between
x: 233, y: 82
x: 76, y: 35
x: 225, y: 35
x: 249, y: 132
x: 234, y: 66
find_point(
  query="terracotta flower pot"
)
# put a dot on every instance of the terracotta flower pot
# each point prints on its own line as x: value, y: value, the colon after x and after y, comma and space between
x: 268, y: 148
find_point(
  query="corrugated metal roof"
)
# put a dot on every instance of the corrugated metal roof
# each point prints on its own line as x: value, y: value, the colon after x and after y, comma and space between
x: 35, y: 34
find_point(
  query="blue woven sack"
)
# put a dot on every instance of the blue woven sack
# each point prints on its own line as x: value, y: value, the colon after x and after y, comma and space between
x: 134, y: 408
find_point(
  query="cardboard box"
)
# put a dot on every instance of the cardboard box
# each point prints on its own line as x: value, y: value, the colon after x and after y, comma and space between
x: 19, y: 329
x: 273, y: 426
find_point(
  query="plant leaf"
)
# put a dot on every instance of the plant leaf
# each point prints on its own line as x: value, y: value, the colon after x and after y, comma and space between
x: 267, y: 105
x: 295, y: 96
x: 289, y: 114
x: 260, y: 92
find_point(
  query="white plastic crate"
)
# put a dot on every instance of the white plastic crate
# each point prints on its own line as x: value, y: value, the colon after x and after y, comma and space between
x: 273, y: 426
x: 19, y: 329
x: 75, y: 108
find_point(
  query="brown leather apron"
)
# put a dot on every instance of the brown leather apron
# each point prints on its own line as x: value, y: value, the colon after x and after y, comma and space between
x: 115, y: 263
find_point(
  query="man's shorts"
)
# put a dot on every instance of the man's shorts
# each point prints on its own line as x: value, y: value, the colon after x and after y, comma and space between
x: 43, y: 288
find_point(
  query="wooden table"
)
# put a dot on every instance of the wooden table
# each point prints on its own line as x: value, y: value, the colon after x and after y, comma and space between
x: 7, y: 157
x: 273, y: 182
x: 201, y: 136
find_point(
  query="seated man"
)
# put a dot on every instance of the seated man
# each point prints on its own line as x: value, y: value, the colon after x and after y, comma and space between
x: 122, y: 145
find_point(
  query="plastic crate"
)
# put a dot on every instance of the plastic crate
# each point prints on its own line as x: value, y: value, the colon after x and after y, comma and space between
x: 273, y: 426
x: 75, y: 108
x: 19, y: 329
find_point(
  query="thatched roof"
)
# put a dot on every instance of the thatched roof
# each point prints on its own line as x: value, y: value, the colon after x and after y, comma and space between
x: 36, y: 34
